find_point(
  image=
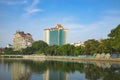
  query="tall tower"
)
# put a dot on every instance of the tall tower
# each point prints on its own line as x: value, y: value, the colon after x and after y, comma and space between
x: 56, y: 36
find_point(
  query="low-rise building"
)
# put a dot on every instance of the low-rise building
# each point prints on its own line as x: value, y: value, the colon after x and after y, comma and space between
x: 9, y: 46
x: 22, y: 40
x: 1, y: 50
x: 79, y: 43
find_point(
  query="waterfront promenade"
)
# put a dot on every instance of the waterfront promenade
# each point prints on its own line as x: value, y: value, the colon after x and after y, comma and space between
x: 69, y: 58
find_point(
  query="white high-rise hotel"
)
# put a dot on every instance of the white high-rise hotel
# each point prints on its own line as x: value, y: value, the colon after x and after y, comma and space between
x: 56, y: 36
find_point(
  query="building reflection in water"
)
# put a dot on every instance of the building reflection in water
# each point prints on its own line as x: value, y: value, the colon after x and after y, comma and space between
x: 103, y: 64
x: 20, y: 72
x: 49, y: 70
x: 55, y: 75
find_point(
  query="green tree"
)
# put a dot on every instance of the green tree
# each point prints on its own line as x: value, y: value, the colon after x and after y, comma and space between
x: 28, y: 50
x: 105, y: 46
x: 10, y: 51
x: 52, y: 50
x: 115, y: 38
x: 67, y: 49
x: 91, y: 46
x: 79, y: 50
x: 39, y: 45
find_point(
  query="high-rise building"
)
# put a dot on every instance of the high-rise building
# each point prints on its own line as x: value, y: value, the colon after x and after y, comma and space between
x: 56, y: 36
x: 22, y: 40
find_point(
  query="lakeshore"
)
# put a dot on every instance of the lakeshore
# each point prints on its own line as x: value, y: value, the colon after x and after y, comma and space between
x: 65, y: 58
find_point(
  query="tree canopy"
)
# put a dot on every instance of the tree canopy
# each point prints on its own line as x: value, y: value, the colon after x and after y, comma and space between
x: 91, y: 46
x: 115, y: 38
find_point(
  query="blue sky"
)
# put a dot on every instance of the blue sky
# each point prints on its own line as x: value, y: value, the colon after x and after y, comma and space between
x: 85, y: 19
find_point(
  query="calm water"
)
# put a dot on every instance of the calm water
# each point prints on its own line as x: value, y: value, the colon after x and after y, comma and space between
x: 57, y: 70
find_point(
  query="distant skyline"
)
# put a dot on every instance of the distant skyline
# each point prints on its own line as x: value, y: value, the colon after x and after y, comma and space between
x: 85, y: 19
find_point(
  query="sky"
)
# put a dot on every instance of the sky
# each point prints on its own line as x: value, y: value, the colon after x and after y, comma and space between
x: 85, y: 19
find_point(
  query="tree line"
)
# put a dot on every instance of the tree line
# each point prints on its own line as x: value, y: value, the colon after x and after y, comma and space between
x: 91, y: 46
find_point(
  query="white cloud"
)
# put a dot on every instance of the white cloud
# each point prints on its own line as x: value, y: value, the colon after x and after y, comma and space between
x: 96, y: 30
x: 13, y: 2
x: 67, y: 19
x: 32, y: 9
x: 113, y: 12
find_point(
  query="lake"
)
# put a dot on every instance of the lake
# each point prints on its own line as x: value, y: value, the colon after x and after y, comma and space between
x: 19, y: 69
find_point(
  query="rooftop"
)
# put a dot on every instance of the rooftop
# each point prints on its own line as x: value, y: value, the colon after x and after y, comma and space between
x: 58, y: 26
x: 22, y: 33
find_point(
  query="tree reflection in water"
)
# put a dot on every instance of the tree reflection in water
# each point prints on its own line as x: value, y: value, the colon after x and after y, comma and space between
x: 57, y: 70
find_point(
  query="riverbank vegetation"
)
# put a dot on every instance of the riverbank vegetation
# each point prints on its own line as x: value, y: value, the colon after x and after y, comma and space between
x: 91, y: 46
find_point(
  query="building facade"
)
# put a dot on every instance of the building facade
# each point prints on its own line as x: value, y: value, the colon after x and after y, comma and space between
x: 79, y: 43
x: 22, y: 40
x: 56, y: 36
x: 1, y: 50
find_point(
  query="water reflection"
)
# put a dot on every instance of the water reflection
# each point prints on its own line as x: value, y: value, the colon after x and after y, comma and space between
x: 103, y: 64
x: 55, y: 75
x: 20, y: 71
x: 56, y: 70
